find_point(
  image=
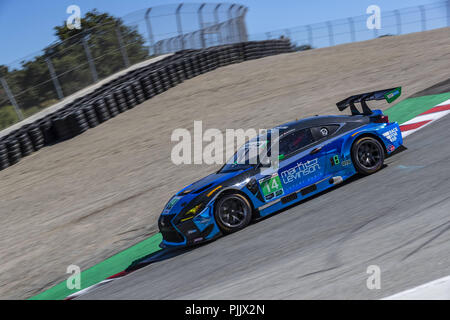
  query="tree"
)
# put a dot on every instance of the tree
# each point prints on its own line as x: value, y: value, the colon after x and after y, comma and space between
x: 99, y: 30
x: 32, y: 82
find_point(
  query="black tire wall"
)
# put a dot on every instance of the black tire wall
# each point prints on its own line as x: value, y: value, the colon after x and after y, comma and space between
x: 126, y: 92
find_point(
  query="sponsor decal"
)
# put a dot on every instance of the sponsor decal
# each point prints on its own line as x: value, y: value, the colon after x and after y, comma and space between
x: 346, y: 163
x: 336, y: 160
x: 391, y: 148
x: 271, y: 187
x: 391, y: 135
x: 300, y: 170
x: 324, y: 132
x: 394, y: 94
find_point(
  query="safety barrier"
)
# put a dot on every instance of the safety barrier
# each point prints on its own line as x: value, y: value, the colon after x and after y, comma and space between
x: 126, y: 92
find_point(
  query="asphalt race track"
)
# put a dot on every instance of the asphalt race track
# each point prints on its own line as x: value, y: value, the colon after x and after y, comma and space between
x: 397, y: 219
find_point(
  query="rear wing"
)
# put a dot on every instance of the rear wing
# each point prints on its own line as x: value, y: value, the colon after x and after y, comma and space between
x: 388, y: 94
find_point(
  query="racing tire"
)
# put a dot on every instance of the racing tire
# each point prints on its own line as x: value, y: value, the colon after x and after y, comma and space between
x: 367, y: 155
x: 232, y: 212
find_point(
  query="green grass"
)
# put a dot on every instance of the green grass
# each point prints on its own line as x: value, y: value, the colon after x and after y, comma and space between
x: 104, y: 269
x: 401, y: 112
x: 7, y: 117
x: 412, y: 107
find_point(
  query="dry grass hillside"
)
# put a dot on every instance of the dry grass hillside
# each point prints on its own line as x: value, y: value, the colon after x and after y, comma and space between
x: 83, y: 200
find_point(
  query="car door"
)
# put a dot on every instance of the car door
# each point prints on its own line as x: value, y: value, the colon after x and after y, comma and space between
x: 302, y: 161
x: 300, y: 164
x: 329, y: 140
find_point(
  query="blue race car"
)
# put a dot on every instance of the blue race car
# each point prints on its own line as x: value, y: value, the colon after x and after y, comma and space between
x: 314, y: 154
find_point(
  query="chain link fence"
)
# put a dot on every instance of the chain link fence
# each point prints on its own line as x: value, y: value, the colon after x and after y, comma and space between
x: 46, y: 77
x: 39, y: 80
x: 352, y: 29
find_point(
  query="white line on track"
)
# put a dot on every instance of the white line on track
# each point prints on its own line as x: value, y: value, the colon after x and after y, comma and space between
x: 435, y: 290
x: 427, y: 117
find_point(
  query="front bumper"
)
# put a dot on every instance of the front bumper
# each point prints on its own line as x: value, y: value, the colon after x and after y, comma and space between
x: 191, y: 232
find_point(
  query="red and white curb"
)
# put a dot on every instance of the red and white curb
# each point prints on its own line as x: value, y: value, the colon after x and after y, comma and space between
x: 435, y: 290
x: 440, y: 286
x: 97, y: 285
x: 425, y: 118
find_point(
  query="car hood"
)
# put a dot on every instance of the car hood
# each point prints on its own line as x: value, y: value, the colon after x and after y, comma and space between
x: 198, y: 191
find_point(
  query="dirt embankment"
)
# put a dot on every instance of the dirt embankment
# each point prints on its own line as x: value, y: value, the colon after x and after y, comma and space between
x: 83, y: 200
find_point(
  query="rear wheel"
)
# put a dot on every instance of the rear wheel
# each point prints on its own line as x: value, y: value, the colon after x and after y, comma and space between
x: 232, y: 212
x: 367, y: 155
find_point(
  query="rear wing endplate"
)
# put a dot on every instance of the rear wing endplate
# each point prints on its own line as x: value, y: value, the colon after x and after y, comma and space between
x: 388, y: 94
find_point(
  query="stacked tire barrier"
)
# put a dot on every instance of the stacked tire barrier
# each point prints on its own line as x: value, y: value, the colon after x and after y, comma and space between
x: 126, y: 92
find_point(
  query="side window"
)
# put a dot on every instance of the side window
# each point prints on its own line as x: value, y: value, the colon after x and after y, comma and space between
x: 295, y: 141
x: 321, y: 132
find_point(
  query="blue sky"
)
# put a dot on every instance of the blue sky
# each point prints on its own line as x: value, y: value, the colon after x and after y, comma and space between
x: 26, y: 26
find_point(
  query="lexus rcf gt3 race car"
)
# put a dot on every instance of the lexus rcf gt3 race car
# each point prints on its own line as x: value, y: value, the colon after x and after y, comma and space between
x: 314, y: 154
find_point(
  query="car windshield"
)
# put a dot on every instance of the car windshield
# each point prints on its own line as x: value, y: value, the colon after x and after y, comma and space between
x: 247, y: 156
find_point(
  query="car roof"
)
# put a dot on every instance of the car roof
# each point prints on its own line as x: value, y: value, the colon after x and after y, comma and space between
x: 319, y: 121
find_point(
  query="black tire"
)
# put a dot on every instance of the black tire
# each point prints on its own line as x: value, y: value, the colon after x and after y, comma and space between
x: 367, y: 155
x: 232, y: 212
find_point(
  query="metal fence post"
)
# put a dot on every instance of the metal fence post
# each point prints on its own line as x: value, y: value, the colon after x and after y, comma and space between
x: 200, y: 23
x: 185, y: 40
x: 179, y: 26
x: 180, y: 40
x: 330, y: 33
x: 448, y: 13
x: 156, y: 48
x: 287, y: 32
x: 239, y: 23
x: 237, y: 33
x: 310, y: 35
x: 423, y: 18
x: 192, y: 40
x: 399, y: 21
x: 351, y: 24
x: 11, y: 98
x: 242, y: 26
x: 230, y: 23
x: 90, y: 60
x: 123, y: 50
x: 58, y: 89
x: 216, y: 21
x: 151, y: 39
x: 175, y: 43
x: 216, y: 14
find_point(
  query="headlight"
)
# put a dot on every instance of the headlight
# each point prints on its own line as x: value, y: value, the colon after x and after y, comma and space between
x: 172, y: 202
x: 192, y: 212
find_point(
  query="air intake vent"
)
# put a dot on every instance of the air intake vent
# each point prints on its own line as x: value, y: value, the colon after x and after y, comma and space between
x: 309, y: 189
x: 289, y: 198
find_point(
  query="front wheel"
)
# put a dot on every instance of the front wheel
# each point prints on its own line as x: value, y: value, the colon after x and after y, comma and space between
x: 367, y: 155
x: 232, y: 212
